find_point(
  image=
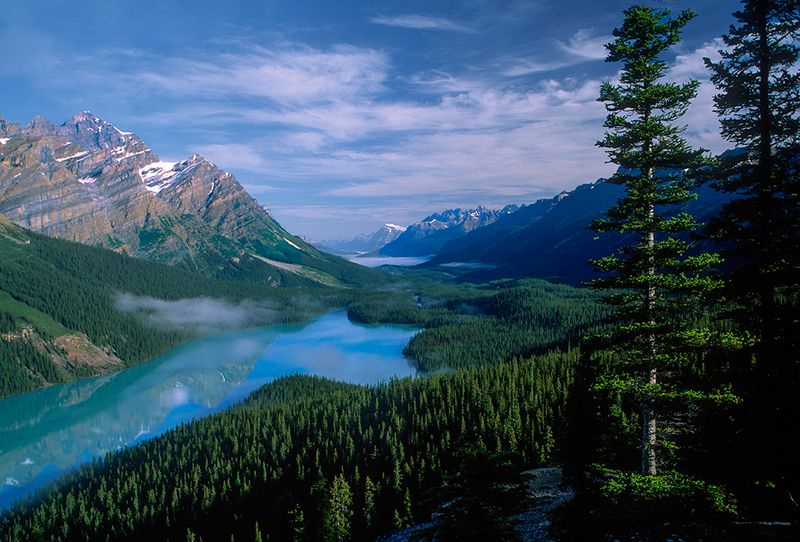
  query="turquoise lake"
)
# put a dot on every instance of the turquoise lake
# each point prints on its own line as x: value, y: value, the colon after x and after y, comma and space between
x: 47, y: 432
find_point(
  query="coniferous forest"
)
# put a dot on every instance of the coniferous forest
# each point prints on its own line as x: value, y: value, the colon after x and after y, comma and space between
x: 665, y: 388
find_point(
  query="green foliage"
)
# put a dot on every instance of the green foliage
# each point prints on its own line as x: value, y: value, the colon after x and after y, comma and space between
x: 337, y: 515
x: 521, y: 319
x: 654, y: 283
x: 281, y: 449
x: 57, y: 287
x: 759, y: 106
x: 22, y: 366
x: 669, y: 495
x: 480, y: 499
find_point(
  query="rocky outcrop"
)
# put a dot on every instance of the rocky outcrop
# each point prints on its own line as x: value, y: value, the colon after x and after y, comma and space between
x: 78, y: 353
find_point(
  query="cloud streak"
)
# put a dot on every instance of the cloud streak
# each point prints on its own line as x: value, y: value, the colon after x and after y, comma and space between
x: 421, y: 22
x: 584, y: 45
x: 198, y: 315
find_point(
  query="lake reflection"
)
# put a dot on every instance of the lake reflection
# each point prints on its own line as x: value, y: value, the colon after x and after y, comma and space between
x: 45, y: 432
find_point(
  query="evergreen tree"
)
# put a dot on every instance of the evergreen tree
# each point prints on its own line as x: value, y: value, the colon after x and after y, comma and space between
x: 652, y: 279
x: 297, y: 524
x: 370, y: 497
x: 338, y: 512
x: 481, y: 499
x: 759, y: 104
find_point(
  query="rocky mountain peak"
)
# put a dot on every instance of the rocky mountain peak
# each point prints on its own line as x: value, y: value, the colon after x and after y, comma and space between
x: 88, y: 181
x: 8, y: 129
x: 92, y: 133
x: 40, y: 126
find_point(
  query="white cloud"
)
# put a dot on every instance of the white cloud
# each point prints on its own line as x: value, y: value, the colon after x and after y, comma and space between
x: 581, y: 47
x: 331, y: 123
x: 703, y: 125
x: 287, y: 76
x: 483, y: 141
x: 235, y: 156
x: 584, y: 45
x: 421, y: 22
x: 200, y: 314
x: 690, y: 65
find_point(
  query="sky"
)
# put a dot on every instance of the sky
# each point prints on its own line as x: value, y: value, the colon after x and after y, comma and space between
x: 344, y: 115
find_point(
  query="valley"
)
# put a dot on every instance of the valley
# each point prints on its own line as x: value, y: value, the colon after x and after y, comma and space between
x: 575, y: 318
x: 49, y: 432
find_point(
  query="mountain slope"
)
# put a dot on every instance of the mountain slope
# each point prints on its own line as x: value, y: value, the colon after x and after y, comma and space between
x: 476, y: 241
x: 431, y: 233
x: 368, y: 242
x: 59, y: 317
x: 88, y: 181
x: 556, y: 243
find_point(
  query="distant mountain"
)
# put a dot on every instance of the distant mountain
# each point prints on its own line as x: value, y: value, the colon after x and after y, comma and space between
x: 550, y: 239
x: 366, y: 242
x: 430, y: 235
x: 88, y: 181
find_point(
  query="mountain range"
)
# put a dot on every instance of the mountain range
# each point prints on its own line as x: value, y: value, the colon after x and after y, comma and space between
x: 88, y: 181
x: 553, y: 241
x: 364, y: 243
x: 546, y: 239
x: 430, y: 234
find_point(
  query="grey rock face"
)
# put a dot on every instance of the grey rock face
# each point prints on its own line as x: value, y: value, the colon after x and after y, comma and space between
x: 88, y: 181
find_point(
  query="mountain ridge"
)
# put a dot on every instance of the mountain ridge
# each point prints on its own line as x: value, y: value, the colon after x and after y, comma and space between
x: 364, y: 243
x: 552, y: 240
x: 427, y: 236
x: 88, y: 181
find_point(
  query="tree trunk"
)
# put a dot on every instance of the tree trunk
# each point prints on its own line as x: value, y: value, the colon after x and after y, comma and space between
x: 765, y: 194
x: 649, y: 428
x: 649, y: 434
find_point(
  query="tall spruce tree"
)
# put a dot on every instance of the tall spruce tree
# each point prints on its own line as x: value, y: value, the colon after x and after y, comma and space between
x: 652, y: 280
x: 338, y: 511
x: 759, y: 106
x: 758, y: 81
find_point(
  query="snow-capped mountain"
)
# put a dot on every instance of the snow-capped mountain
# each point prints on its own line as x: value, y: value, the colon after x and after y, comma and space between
x: 88, y: 181
x: 366, y: 242
x: 431, y: 233
x: 550, y: 238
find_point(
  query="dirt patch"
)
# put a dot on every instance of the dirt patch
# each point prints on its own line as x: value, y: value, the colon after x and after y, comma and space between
x: 78, y: 352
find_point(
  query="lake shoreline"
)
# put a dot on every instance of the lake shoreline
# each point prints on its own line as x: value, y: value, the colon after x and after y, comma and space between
x: 49, y: 431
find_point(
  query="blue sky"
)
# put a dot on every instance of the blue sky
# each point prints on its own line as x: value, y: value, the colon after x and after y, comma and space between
x: 345, y: 115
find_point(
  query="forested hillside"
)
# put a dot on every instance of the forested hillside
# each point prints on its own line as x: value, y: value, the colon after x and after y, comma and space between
x: 285, y: 456
x: 60, y: 319
x: 307, y: 459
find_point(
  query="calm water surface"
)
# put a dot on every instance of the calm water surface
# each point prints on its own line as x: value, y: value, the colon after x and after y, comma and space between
x: 46, y: 432
x: 375, y: 261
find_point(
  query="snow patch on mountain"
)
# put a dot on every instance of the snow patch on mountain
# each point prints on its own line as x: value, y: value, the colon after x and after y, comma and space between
x: 159, y: 175
x: 73, y: 156
x: 295, y: 246
x: 122, y: 153
x: 366, y: 242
